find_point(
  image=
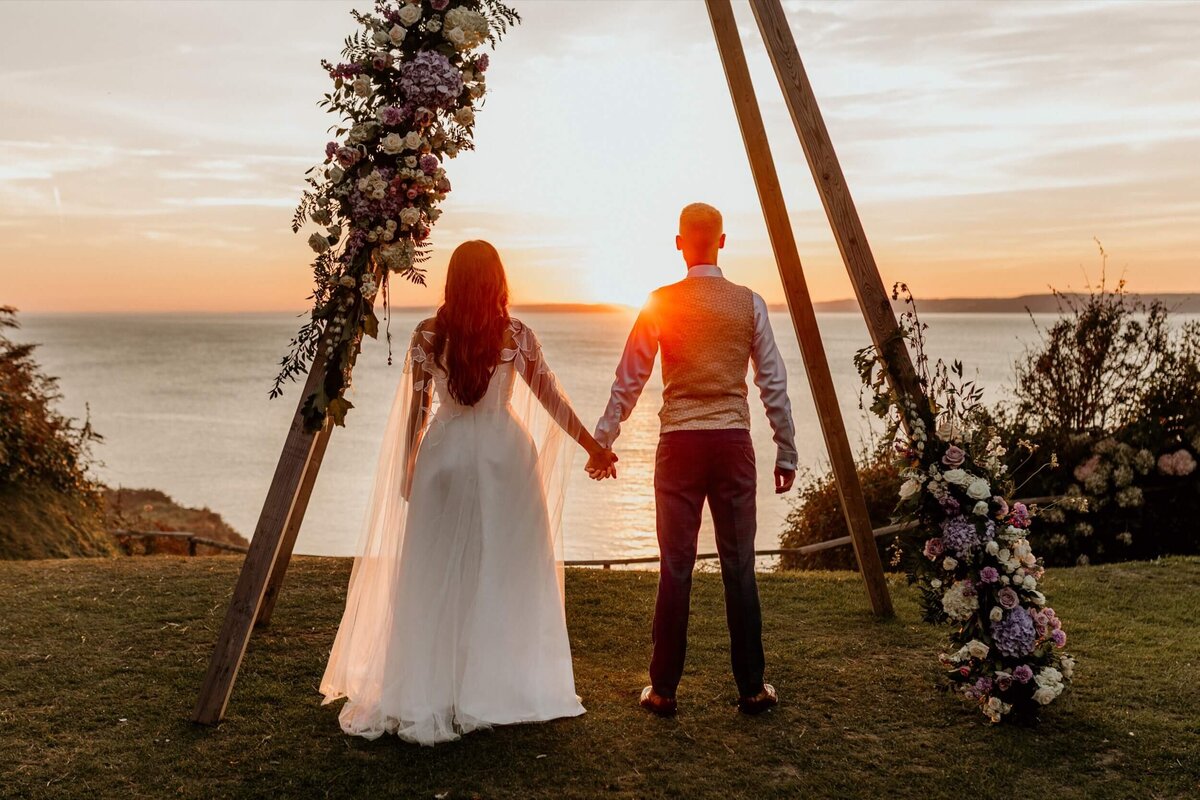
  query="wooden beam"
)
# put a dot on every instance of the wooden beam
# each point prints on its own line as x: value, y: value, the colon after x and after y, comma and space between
x: 873, y: 298
x: 783, y: 243
x: 292, y: 528
x: 264, y: 550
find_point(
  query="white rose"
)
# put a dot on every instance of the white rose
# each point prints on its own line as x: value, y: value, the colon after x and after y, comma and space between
x: 464, y: 116
x: 381, y: 38
x: 948, y: 431
x: 413, y: 140
x: 362, y: 86
x: 410, y: 216
x: 410, y: 15
x: 936, y: 583
x: 1029, y: 583
x: 1048, y: 676
x: 318, y: 243
x: 956, y: 476
x: 434, y: 25
x: 411, y: 161
x: 981, y: 509
x: 396, y: 35
x: 909, y: 488
x: 1045, y: 696
x: 977, y: 649
x: 392, y: 144
x: 992, y: 547
x: 997, y: 614
x: 979, y: 489
x: 1068, y: 667
x: 456, y: 36
x: 949, y: 564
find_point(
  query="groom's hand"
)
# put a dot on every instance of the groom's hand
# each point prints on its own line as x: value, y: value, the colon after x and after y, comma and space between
x: 784, y: 478
x: 602, y: 465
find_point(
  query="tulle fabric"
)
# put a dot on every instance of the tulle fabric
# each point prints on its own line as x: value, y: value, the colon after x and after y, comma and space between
x: 454, y: 615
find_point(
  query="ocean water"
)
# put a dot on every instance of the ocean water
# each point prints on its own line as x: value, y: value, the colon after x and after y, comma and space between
x: 181, y: 400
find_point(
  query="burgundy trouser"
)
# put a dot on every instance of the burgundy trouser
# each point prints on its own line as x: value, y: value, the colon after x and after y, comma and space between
x: 691, y: 467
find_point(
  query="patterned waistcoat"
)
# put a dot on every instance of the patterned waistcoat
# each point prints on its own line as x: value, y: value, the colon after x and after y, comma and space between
x: 706, y: 330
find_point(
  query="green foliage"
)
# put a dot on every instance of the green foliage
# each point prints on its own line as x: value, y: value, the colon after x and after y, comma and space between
x: 37, y: 444
x: 816, y: 514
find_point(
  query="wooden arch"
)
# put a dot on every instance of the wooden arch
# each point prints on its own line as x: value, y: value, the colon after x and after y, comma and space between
x: 266, y: 563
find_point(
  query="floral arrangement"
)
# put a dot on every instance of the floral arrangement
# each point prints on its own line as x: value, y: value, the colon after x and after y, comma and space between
x: 968, y: 552
x: 406, y: 93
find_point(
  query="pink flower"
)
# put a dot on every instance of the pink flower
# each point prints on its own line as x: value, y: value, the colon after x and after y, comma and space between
x: 1004, y: 682
x: 1084, y: 470
x: 391, y: 115
x: 347, y: 156
x: 1020, y: 516
x: 954, y: 457
x: 934, y: 548
x: 989, y: 575
x: 1178, y: 464
x: 1008, y: 598
x: 1060, y: 638
x: 1002, y: 511
x: 429, y: 163
x: 439, y: 5
x: 1023, y: 673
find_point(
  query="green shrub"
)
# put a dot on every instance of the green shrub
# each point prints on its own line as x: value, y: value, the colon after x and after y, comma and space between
x: 816, y: 514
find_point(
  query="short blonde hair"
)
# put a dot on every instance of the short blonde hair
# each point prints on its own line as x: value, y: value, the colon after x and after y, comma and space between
x: 700, y: 223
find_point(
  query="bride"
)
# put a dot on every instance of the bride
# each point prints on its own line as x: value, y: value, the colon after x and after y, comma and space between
x: 454, y: 615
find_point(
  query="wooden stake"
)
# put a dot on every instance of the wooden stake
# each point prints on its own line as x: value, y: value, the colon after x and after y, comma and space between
x: 278, y: 509
x: 873, y: 298
x: 783, y: 243
x: 292, y: 528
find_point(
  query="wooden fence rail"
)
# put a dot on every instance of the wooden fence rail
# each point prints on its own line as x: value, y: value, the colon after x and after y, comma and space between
x: 192, y: 539
x: 842, y: 541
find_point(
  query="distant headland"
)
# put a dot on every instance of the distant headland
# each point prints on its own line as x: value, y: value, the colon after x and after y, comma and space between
x: 1179, y: 303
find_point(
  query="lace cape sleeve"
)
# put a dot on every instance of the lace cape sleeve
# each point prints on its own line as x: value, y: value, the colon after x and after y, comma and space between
x: 524, y: 350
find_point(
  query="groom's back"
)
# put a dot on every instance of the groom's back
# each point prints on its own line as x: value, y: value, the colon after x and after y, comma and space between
x: 706, y: 331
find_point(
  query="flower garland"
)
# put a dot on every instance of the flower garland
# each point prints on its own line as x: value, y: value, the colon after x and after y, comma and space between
x: 405, y: 93
x: 968, y: 554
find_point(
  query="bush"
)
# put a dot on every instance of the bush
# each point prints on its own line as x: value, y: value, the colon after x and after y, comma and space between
x: 816, y: 514
x: 49, y: 506
x: 37, y: 444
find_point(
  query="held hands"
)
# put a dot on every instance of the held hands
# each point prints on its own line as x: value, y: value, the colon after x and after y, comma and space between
x: 601, y: 464
x: 784, y: 478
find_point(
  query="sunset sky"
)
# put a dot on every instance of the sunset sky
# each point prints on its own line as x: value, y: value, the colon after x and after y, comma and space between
x: 151, y: 153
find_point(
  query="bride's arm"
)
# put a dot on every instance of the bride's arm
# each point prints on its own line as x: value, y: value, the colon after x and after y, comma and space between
x: 419, y: 404
x: 532, y: 366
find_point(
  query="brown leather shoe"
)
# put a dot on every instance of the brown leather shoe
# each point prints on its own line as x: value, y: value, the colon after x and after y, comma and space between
x: 655, y: 703
x: 766, y: 699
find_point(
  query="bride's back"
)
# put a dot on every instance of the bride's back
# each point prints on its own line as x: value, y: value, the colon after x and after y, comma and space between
x: 515, y: 349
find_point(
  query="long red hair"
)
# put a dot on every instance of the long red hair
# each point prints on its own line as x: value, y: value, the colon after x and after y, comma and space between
x: 472, y: 320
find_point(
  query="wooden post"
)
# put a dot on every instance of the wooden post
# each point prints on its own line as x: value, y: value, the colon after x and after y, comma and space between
x: 783, y: 243
x: 873, y: 298
x: 264, y: 550
x: 292, y: 528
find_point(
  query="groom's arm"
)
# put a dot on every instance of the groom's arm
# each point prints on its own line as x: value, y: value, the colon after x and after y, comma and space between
x: 637, y: 362
x: 770, y: 376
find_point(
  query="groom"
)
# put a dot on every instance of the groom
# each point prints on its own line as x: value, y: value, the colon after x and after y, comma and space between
x: 708, y: 329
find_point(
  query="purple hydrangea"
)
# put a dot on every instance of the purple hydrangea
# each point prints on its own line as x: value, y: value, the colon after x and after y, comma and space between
x: 961, y: 536
x: 1023, y: 673
x: 429, y: 79
x: 1013, y: 634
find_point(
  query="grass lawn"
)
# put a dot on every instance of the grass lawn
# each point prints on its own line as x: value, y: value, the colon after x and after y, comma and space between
x: 100, y: 660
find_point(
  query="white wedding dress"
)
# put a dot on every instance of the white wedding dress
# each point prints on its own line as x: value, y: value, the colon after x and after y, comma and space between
x: 454, y: 615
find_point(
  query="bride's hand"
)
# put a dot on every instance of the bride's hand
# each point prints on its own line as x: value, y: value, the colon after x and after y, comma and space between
x: 602, y: 464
